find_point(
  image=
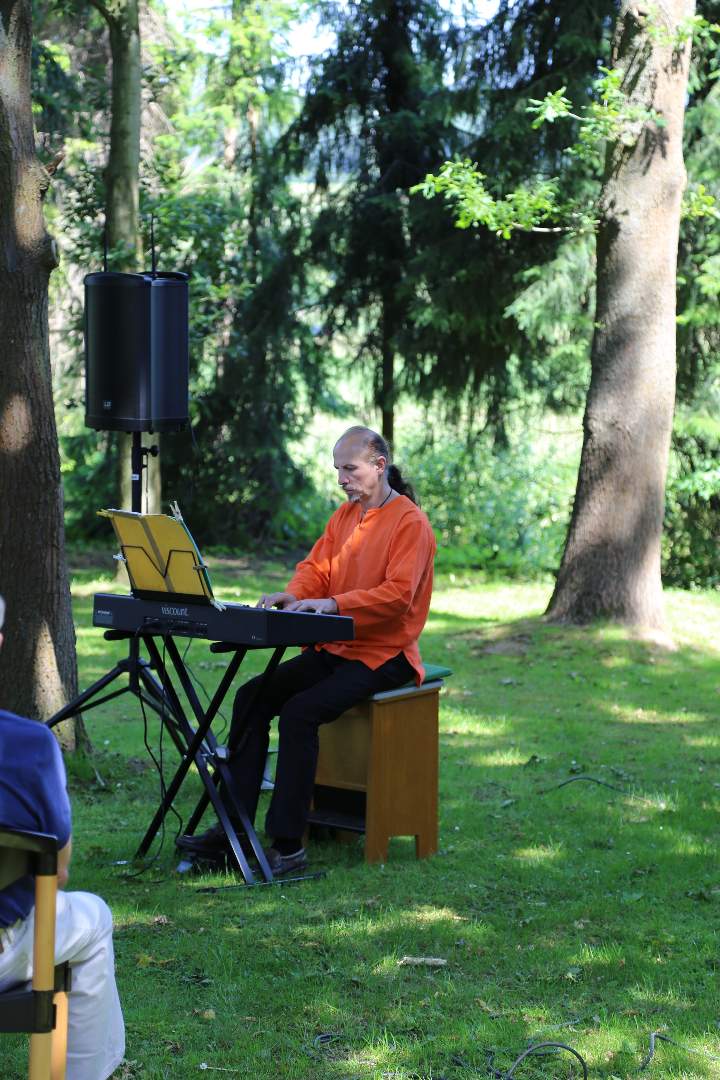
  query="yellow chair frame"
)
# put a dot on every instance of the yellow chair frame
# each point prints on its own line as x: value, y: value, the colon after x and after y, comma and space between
x: 42, y: 1010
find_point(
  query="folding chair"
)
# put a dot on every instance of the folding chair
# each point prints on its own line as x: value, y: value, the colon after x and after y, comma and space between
x: 37, y: 1011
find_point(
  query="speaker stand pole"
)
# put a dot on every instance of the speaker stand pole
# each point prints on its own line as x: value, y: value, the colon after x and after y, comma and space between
x: 136, y: 467
x: 138, y: 462
x: 140, y: 682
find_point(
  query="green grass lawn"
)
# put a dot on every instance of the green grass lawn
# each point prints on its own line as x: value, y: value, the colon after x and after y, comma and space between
x: 585, y: 913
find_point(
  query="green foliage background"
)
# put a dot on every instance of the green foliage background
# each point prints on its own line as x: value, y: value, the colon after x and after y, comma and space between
x: 267, y: 175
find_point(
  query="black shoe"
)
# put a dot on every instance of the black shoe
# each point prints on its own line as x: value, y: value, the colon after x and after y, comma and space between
x: 213, y: 842
x: 285, y: 864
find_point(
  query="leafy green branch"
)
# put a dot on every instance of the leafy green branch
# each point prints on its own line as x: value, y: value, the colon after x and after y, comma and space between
x: 538, y: 206
x: 528, y: 208
x: 609, y: 117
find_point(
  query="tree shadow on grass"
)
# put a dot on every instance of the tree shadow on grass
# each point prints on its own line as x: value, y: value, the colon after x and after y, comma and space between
x: 578, y: 913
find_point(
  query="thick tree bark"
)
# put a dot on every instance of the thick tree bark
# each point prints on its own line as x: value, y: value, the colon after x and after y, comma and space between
x: 611, y: 564
x: 37, y: 662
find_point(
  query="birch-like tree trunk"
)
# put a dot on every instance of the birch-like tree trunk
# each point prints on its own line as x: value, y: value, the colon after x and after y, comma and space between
x: 38, y: 672
x: 122, y: 173
x: 122, y: 187
x: 611, y: 563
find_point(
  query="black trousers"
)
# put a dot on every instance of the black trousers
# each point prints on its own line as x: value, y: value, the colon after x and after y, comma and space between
x: 311, y: 689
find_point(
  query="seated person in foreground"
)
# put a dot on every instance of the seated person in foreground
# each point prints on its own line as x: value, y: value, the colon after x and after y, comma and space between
x: 373, y: 562
x: 33, y: 796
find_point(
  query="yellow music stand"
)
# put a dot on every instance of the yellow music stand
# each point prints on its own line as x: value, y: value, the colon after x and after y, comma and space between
x: 160, y: 555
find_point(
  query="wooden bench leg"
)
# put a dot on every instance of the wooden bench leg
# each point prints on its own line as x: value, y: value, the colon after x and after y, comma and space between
x: 425, y: 844
x: 376, y: 847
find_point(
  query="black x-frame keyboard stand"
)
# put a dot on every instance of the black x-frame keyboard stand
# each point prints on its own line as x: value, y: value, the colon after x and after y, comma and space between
x: 198, y: 746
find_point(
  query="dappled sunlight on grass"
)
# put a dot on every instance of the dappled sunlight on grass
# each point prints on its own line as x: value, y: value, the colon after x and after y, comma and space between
x: 687, y: 844
x: 584, y: 912
x: 124, y: 917
x: 702, y: 742
x: 653, y: 997
x: 468, y: 723
x: 643, y: 805
x: 500, y: 758
x: 87, y: 587
x: 540, y: 853
x: 648, y: 716
x: 498, y: 600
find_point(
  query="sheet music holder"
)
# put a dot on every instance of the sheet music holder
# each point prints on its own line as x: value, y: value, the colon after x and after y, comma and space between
x: 161, y: 557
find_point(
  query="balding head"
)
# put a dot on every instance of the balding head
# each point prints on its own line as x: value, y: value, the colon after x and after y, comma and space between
x: 362, y: 465
x: 365, y: 441
x: 361, y: 445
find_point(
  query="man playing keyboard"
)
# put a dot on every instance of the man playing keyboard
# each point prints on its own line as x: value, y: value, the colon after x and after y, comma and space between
x: 373, y: 562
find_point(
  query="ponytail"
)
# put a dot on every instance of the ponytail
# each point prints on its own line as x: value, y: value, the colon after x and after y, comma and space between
x: 398, y: 483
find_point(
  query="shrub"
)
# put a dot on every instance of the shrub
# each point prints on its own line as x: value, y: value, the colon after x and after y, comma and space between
x: 504, y: 512
x: 692, y: 533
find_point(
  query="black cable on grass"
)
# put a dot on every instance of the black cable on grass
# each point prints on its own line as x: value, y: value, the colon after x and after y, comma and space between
x: 602, y: 783
x: 544, y: 1047
x: 655, y: 1035
x: 590, y: 779
x: 325, y: 1038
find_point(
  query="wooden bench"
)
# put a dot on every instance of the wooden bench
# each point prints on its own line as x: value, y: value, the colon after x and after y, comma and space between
x: 377, y: 770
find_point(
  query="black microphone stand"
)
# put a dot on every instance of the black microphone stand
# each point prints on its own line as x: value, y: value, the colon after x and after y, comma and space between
x: 141, y: 682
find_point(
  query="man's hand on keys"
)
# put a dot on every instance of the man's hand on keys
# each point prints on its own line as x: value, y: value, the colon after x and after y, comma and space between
x: 276, y: 599
x: 321, y: 606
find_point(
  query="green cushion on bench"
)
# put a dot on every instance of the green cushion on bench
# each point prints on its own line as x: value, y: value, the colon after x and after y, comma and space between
x: 436, y: 671
x: 432, y: 672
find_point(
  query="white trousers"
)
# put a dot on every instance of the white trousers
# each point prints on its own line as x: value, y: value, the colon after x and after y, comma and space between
x: 83, y: 938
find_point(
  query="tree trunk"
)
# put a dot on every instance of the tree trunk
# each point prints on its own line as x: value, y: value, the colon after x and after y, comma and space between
x: 122, y: 195
x: 122, y: 175
x: 122, y: 200
x: 387, y: 387
x: 611, y: 563
x: 38, y: 673
x: 151, y: 485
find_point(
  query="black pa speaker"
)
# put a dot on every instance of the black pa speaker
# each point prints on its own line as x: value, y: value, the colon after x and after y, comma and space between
x: 136, y: 351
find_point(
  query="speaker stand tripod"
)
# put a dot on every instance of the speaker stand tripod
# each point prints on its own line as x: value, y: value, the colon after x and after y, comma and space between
x: 140, y: 680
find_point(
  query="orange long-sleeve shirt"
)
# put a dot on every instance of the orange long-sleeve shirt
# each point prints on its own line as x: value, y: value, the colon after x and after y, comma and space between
x: 379, y: 570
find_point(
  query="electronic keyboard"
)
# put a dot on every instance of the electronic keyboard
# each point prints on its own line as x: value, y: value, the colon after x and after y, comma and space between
x: 236, y: 624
